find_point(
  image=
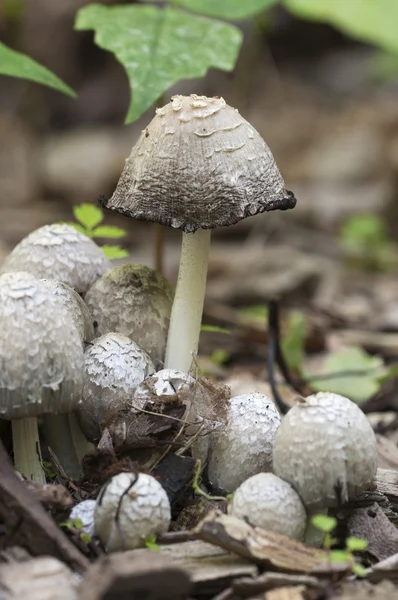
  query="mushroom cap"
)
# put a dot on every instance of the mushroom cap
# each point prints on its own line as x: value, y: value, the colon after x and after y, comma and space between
x: 75, y: 305
x: 244, y: 447
x: 85, y: 512
x: 199, y: 165
x: 41, y: 356
x: 326, y: 449
x: 59, y: 252
x: 267, y: 501
x: 136, y: 301
x: 128, y: 511
x: 166, y: 382
x: 114, y: 366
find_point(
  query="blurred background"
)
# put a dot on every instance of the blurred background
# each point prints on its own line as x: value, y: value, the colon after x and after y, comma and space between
x: 326, y: 104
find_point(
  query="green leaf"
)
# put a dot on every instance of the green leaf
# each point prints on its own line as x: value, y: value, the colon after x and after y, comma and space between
x: 292, y: 344
x: 357, y: 374
x: 358, y: 569
x: 215, y: 329
x: 160, y: 46
x: 324, y: 523
x: 364, y: 229
x: 226, y: 9
x: 151, y: 544
x: 372, y: 21
x: 340, y: 556
x: 85, y: 537
x: 88, y: 215
x: 257, y: 312
x: 113, y: 252
x: 78, y: 523
x: 108, y: 231
x: 219, y: 356
x: 16, y: 64
x: 354, y: 544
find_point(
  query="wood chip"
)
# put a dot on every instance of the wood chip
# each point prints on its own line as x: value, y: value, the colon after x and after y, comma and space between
x: 286, y: 593
x: 372, y: 525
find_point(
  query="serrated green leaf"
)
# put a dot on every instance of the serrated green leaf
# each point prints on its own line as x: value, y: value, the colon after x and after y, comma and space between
x: 17, y: 64
x: 226, y: 9
x: 362, y: 378
x: 355, y: 544
x: 113, y: 252
x: 372, y: 21
x: 109, y: 231
x: 160, y: 46
x: 324, y: 523
x: 88, y: 215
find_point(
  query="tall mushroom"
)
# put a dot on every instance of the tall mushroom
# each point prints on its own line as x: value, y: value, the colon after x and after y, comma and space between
x: 197, y: 166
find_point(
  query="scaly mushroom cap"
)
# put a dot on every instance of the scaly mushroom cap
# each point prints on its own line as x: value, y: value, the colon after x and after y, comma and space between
x: 244, y: 447
x: 167, y: 382
x: 136, y: 301
x: 59, y: 252
x: 326, y: 449
x: 199, y: 165
x: 85, y: 512
x: 267, y: 501
x: 128, y: 511
x: 75, y: 305
x: 41, y: 356
x: 114, y: 366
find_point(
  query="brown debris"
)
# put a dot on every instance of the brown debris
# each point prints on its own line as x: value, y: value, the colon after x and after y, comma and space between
x: 143, y: 574
x: 372, y: 525
x: 52, y: 496
x: 32, y: 527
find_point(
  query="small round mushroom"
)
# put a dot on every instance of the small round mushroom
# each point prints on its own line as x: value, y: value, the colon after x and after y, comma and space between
x: 41, y: 364
x: 114, y: 367
x: 129, y: 510
x: 198, y: 165
x: 244, y: 446
x: 75, y: 305
x: 136, y: 301
x: 84, y: 511
x: 326, y: 449
x: 166, y: 382
x: 59, y: 252
x: 269, y: 502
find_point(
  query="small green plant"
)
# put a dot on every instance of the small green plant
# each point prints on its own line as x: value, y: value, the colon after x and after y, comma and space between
x: 196, y: 484
x: 352, y: 544
x: 151, y: 544
x: 365, y: 239
x: 75, y: 526
x: 89, y: 218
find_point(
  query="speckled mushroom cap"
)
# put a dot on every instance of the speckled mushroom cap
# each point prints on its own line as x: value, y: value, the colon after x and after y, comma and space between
x: 199, y: 165
x: 244, y: 447
x: 325, y: 447
x: 41, y: 356
x: 114, y: 366
x: 59, y: 252
x: 267, y: 501
x: 136, y: 301
x: 124, y: 521
x: 76, y: 307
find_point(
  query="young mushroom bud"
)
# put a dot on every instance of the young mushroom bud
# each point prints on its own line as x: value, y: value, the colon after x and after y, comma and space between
x: 244, y: 446
x: 198, y: 165
x: 76, y: 307
x: 114, y: 367
x: 130, y: 508
x: 136, y: 301
x: 59, y: 252
x: 84, y: 512
x: 267, y: 501
x: 326, y: 449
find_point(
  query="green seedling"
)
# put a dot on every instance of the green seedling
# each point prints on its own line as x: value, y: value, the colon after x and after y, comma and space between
x: 75, y: 526
x: 196, y: 484
x: 327, y: 525
x: 89, y: 218
x: 151, y: 544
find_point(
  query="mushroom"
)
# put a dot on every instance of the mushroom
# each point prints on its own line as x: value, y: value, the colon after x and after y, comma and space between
x: 59, y: 252
x: 244, y: 446
x: 136, y: 301
x: 114, y: 367
x: 84, y: 512
x: 326, y: 449
x: 198, y: 165
x: 75, y: 305
x: 41, y: 365
x: 269, y: 502
x: 130, y: 508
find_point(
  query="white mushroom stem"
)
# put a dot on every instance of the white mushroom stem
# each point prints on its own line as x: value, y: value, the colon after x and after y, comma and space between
x: 186, y: 314
x: 26, y: 446
x: 81, y: 444
x: 60, y: 440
